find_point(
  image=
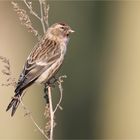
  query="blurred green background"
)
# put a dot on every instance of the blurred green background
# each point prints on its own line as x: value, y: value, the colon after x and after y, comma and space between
x: 102, y: 92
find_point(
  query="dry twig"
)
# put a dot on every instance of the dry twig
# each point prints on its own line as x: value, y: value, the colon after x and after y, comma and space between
x: 46, y: 12
x: 29, y: 6
x: 42, y: 16
x: 25, y: 19
x: 51, y: 113
x: 60, y: 81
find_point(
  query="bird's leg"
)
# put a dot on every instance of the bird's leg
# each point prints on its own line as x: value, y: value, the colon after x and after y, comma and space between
x: 52, y: 81
x: 55, y: 79
x: 46, y: 93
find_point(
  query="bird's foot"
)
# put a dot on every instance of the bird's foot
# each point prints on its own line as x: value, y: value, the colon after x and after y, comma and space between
x: 52, y: 81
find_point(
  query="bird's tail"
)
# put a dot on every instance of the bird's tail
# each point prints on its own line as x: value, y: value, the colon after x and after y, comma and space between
x: 14, y: 103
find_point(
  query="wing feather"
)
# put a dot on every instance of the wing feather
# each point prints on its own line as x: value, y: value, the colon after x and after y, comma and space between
x: 37, y: 63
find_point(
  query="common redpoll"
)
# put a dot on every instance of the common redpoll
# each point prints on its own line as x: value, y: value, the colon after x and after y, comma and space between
x: 44, y: 60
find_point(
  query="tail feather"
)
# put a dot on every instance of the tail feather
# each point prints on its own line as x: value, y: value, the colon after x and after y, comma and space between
x: 14, y: 103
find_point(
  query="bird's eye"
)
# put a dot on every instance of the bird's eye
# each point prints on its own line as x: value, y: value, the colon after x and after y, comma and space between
x: 62, y: 28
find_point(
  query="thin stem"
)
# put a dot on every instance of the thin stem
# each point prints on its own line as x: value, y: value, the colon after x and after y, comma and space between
x: 60, y: 99
x: 60, y: 81
x: 51, y: 113
x: 31, y: 10
x: 42, y: 16
x: 46, y: 8
x: 31, y: 117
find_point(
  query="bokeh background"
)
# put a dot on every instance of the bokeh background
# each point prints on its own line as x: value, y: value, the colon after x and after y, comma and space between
x: 102, y: 92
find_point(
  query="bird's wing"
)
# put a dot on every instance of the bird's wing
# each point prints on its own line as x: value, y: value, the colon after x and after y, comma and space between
x: 40, y: 59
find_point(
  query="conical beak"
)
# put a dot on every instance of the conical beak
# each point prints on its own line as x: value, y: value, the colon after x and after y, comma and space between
x: 71, y: 31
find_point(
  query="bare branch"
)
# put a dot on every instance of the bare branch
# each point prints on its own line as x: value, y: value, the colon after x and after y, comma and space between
x: 29, y: 6
x: 46, y: 8
x: 42, y: 16
x: 25, y: 20
x: 51, y: 113
x: 47, y: 117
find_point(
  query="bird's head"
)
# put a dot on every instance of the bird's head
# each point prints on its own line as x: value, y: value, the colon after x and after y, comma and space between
x: 60, y: 30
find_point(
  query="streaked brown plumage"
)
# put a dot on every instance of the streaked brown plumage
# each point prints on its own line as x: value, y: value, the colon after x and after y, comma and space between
x: 44, y: 60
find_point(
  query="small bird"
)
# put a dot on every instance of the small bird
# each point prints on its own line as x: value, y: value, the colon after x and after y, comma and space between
x: 44, y: 61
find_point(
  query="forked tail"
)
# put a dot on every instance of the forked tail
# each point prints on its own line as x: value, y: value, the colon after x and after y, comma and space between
x: 14, y: 103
